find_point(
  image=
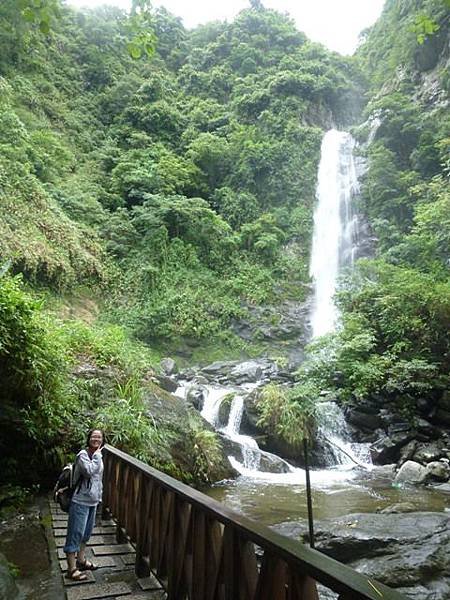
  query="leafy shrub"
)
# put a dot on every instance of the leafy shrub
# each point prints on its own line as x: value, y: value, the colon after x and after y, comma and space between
x: 287, y: 413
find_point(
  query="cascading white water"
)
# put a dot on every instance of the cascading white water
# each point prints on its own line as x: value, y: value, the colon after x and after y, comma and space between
x: 335, y: 226
x: 333, y: 428
x: 213, y: 400
x: 334, y: 247
x: 251, y: 454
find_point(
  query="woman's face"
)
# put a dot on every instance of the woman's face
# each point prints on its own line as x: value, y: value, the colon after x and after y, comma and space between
x: 96, y: 439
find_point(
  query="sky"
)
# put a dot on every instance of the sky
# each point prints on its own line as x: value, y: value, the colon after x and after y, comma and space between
x: 334, y: 23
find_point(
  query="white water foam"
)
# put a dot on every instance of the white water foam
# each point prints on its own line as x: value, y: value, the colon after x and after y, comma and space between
x: 335, y: 226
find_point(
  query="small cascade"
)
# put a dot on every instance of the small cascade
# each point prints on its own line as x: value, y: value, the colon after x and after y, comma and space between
x: 251, y: 454
x: 342, y: 452
x: 212, y: 402
x: 235, y: 417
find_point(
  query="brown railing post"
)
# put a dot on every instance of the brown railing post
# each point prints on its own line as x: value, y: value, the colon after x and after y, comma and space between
x: 141, y: 566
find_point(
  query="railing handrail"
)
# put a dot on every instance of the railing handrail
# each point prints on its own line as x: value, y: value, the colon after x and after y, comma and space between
x: 324, y: 569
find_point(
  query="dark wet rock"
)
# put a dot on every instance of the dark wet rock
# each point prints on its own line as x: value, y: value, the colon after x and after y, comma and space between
x: 167, y: 383
x: 428, y: 452
x: 411, y: 472
x: 387, y: 449
x: 224, y: 410
x: 249, y: 371
x: 168, y: 366
x: 250, y: 416
x: 407, y: 452
x: 424, y: 406
x: 187, y: 374
x: 363, y: 419
x: 276, y: 445
x: 442, y: 417
x: 444, y: 401
x: 196, y: 396
x: 400, y: 427
x: 8, y: 587
x: 427, y: 429
x: 409, y: 552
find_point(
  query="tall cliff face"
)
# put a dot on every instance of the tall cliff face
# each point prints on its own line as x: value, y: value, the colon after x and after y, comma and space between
x: 408, y: 71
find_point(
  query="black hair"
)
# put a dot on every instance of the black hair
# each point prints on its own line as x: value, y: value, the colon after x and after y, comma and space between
x: 91, y: 431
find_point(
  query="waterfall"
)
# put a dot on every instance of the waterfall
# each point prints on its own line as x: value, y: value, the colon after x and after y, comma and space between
x: 334, y: 247
x: 335, y: 235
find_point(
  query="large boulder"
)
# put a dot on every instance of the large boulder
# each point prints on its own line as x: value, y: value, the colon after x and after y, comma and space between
x: 438, y: 470
x: 411, y: 472
x: 267, y: 462
x: 364, y: 417
x: 181, y: 425
x: 271, y: 463
x: 249, y: 371
x: 251, y: 415
x: 428, y: 452
x: 387, y: 449
x: 218, y: 370
x: 409, y: 552
x: 167, y: 383
x: 196, y: 396
x: 168, y: 366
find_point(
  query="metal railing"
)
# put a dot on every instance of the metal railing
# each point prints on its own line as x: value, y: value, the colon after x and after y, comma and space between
x: 201, y: 550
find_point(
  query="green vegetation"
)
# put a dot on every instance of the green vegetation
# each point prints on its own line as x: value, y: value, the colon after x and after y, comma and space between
x: 393, y: 342
x: 177, y: 183
x: 177, y: 193
x: 288, y: 413
x: 60, y: 376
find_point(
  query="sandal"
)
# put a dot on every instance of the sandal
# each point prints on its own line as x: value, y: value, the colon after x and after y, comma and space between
x: 76, y: 575
x: 86, y: 565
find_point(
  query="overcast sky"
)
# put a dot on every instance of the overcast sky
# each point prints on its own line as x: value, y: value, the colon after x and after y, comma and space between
x: 334, y: 23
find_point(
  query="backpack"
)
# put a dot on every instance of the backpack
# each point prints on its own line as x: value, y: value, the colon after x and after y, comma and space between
x: 65, y: 486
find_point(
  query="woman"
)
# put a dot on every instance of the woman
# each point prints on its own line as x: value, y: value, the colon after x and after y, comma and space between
x: 88, y: 471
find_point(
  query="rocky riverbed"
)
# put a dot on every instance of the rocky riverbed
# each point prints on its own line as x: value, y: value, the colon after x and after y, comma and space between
x: 409, y: 551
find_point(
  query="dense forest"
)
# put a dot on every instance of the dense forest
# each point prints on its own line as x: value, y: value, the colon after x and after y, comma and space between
x: 148, y: 203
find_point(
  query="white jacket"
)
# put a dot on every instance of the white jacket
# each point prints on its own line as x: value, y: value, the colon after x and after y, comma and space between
x: 91, y: 471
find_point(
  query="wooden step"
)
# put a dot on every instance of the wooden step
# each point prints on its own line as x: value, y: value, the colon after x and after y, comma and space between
x: 113, y: 549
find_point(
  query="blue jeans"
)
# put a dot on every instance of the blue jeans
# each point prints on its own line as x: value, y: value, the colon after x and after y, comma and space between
x: 80, y: 526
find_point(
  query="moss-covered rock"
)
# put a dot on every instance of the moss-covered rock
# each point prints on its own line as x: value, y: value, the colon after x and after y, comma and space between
x: 193, y: 450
